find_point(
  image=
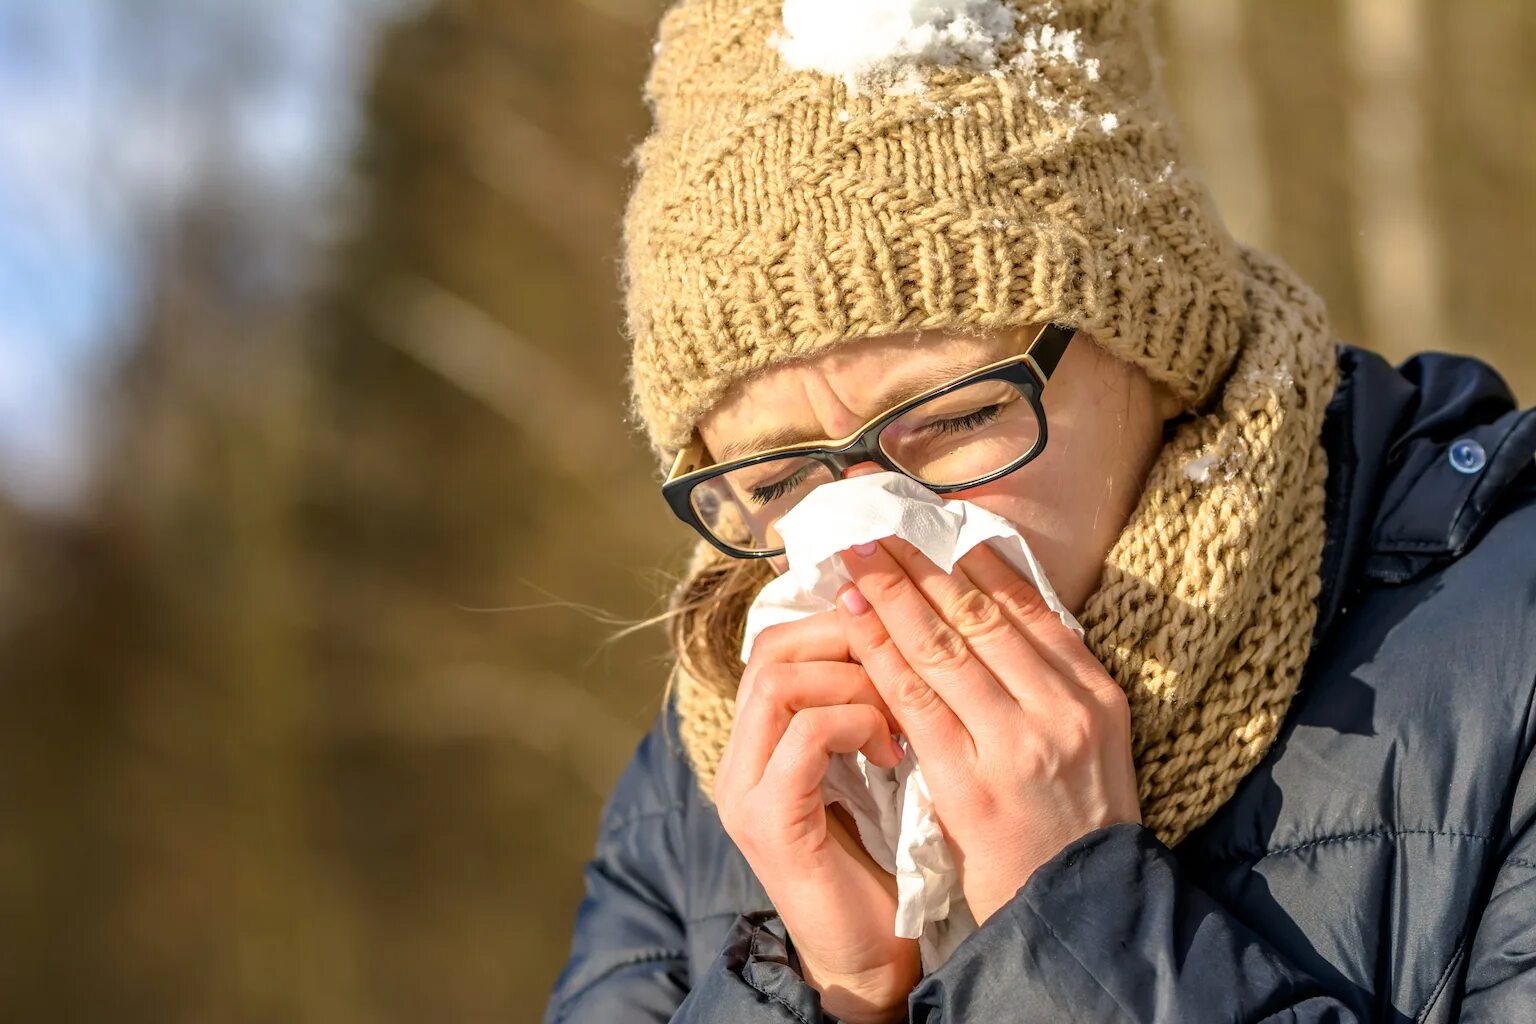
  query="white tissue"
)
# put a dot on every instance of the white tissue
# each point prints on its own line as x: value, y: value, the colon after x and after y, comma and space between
x: 892, y: 807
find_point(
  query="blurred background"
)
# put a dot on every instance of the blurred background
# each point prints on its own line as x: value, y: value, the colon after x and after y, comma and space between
x: 318, y: 515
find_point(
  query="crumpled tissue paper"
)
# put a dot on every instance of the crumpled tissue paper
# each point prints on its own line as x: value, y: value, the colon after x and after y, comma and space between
x: 892, y: 807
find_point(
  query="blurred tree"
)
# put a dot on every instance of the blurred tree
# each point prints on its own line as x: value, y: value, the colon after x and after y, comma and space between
x: 304, y: 769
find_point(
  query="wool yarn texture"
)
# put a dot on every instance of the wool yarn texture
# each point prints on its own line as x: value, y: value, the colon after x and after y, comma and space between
x: 777, y: 212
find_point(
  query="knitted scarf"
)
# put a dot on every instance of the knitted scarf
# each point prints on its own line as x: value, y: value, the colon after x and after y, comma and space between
x: 1205, y: 608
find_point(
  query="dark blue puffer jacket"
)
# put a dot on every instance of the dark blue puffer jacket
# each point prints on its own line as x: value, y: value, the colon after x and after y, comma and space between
x: 1379, y: 864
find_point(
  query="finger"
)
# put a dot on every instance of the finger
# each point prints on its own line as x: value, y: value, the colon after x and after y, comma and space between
x: 931, y: 726
x: 929, y: 645
x: 988, y: 630
x: 799, y: 763
x: 1026, y: 608
x: 817, y: 637
x: 783, y: 690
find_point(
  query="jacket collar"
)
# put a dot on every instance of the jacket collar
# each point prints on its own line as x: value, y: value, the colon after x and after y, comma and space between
x: 1420, y: 458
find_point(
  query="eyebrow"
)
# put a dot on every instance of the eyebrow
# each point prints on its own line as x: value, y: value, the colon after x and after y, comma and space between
x: 892, y: 396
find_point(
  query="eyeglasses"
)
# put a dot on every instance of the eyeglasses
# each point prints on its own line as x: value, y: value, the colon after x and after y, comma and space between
x: 975, y: 429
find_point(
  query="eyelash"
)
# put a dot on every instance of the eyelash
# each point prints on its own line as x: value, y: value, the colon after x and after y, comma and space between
x: 777, y: 489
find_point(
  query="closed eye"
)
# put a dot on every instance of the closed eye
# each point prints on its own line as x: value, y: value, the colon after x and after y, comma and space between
x: 970, y: 421
x: 776, y: 490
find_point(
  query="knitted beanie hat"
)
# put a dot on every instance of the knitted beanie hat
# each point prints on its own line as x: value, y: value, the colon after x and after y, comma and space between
x: 814, y: 178
x: 779, y: 210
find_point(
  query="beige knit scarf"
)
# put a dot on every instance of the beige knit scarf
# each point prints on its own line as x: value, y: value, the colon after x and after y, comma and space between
x: 1205, y: 610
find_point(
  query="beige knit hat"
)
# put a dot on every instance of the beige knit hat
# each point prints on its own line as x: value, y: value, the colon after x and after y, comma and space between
x: 775, y: 213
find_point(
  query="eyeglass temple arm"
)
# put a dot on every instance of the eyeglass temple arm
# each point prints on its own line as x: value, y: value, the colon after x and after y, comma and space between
x: 1047, y: 348
x: 688, y: 458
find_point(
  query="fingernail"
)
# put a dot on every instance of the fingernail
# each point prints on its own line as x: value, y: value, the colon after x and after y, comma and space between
x: 896, y: 746
x: 866, y: 549
x: 854, y: 601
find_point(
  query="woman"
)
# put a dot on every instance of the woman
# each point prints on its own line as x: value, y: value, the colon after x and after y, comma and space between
x: 1285, y: 774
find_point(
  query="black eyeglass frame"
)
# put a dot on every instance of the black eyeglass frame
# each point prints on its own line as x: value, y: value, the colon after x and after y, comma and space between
x: 1030, y: 370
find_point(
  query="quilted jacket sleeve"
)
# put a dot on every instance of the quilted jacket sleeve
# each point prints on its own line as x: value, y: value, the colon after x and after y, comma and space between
x: 1110, y: 930
x: 628, y: 962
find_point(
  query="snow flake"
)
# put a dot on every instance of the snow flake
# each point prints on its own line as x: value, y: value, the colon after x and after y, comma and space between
x: 1199, y: 470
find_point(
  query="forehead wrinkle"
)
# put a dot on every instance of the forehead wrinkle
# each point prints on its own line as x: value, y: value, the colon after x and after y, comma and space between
x: 912, y: 384
x: 774, y: 436
x: 826, y: 385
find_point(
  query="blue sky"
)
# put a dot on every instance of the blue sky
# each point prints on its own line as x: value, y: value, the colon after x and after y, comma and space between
x: 62, y: 273
x: 112, y: 111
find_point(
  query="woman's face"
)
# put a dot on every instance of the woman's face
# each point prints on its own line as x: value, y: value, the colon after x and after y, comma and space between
x: 1105, y: 420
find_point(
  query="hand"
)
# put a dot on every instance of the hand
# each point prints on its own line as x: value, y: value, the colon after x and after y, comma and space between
x: 1024, y: 739
x: 801, y: 699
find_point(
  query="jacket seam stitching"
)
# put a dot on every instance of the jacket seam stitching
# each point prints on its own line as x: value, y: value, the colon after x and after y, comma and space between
x: 1468, y: 930
x: 635, y: 819
x: 1514, y: 784
x: 1347, y: 836
x: 1445, y: 976
x: 1389, y: 545
x: 649, y: 956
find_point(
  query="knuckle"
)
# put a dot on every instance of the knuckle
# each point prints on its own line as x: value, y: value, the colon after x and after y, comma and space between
x: 1119, y: 725
x: 883, y: 648
x: 1078, y: 731
x: 882, y: 588
x: 769, y: 641
x: 913, y: 693
x: 977, y: 615
x: 1117, y: 707
x: 1024, y: 600
x: 768, y: 687
x: 804, y: 729
x: 940, y: 650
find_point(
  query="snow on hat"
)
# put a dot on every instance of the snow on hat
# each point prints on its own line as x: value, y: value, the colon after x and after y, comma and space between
x: 825, y: 170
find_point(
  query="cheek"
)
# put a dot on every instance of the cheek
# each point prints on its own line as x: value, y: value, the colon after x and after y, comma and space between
x: 1030, y: 499
x: 1068, y: 511
x: 1053, y: 511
